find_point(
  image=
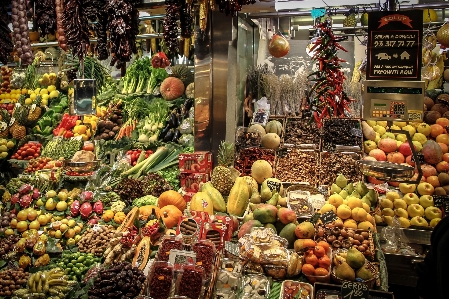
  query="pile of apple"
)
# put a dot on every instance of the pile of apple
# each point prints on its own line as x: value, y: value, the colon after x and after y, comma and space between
x: 410, y: 208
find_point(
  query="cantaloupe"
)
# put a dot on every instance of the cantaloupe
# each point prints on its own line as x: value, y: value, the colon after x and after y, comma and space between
x: 274, y: 126
x: 271, y: 140
x: 257, y: 129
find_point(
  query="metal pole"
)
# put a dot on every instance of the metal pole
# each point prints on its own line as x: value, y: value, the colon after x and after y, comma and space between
x: 391, y: 5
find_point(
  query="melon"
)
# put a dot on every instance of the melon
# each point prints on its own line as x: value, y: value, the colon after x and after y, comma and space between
x: 257, y: 129
x: 271, y: 140
x: 261, y: 170
x: 172, y: 88
x: 274, y: 126
x: 388, y: 145
x: 432, y: 152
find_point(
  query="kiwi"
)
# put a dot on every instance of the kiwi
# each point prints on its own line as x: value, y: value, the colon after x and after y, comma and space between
x: 440, y: 191
x: 441, y: 108
x: 429, y: 103
x: 431, y: 117
x: 111, y: 134
x: 104, y: 136
x: 446, y: 188
x: 443, y: 178
x: 106, y: 131
x: 116, y: 129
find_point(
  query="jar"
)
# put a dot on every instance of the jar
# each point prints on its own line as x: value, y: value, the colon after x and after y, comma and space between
x: 160, y: 280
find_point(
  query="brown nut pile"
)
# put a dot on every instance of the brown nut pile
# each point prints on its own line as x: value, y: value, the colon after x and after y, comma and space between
x: 11, y: 280
x: 301, y: 131
x: 95, y: 240
x: 332, y: 164
x: 7, y: 244
x: 298, y: 166
x: 340, y: 237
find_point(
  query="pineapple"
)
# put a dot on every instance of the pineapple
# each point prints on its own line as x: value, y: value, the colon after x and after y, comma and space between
x: 33, y: 115
x: 18, y: 130
x: 4, y: 118
x: 222, y: 176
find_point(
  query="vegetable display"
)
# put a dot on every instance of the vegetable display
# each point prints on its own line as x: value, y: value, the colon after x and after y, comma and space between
x: 45, y: 16
x: 21, y: 32
x: 6, y: 45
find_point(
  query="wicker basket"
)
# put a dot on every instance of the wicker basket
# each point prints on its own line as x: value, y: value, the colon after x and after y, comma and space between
x: 369, y: 283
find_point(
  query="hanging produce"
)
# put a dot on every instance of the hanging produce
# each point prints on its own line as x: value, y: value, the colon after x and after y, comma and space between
x: 278, y: 46
x: 62, y: 39
x: 21, y: 32
x: 186, y: 19
x: 232, y: 7
x: 327, y: 94
x: 6, y: 45
x: 45, y: 16
x: 172, y: 12
x: 123, y: 27
x: 76, y: 27
x: 97, y: 14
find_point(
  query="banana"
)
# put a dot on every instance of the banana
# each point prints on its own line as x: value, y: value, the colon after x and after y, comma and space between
x: 31, y: 281
x: 39, y: 286
x: 292, y: 264
x: 46, y: 287
x: 55, y: 275
x: 57, y: 282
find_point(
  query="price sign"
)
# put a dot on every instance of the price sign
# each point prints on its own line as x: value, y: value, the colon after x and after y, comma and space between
x: 232, y: 248
x: 439, y: 200
x: 274, y: 186
x: 446, y: 208
x: 328, y: 217
x: 354, y: 290
x: 394, y: 45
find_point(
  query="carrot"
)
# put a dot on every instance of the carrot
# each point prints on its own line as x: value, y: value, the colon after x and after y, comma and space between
x: 129, y: 130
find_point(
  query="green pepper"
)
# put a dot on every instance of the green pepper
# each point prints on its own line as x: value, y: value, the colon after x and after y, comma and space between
x: 47, y: 131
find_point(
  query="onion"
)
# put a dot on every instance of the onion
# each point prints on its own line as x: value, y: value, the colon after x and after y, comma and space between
x: 24, y: 41
x: 18, y: 37
x: 25, y: 34
x: 18, y: 44
x: 16, y: 31
x: 22, y: 14
x: 26, y: 48
x: 21, y: 7
x: 27, y: 55
x: 14, y: 11
x: 23, y: 27
x: 15, y: 18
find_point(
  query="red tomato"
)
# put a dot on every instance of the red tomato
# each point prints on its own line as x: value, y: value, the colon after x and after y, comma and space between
x: 58, y: 163
x: 130, y: 152
x: 31, y: 152
x: 89, y: 147
x: 24, y: 154
x: 146, y: 156
x: 36, y: 155
x: 26, y: 146
x: 149, y: 152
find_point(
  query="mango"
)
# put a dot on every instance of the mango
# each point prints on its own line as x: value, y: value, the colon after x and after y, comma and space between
x: 265, y: 213
x: 216, y: 197
x: 248, y: 226
x: 271, y: 225
x: 286, y: 215
x: 288, y: 233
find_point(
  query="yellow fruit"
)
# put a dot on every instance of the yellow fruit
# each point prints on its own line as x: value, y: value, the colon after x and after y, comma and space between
x: 429, y: 15
x: 13, y: 223
x: 43, y: 91
x: 22, y: 226
x: 51, y: 193
x: 56, y: 224
x: 77, y: 229
x: 34, y: 225
x: 49, y: 217
x: 58, y: 234
x: 24, y: 91
x: 61, y: 206
x: 33, y: 96
x: 63, y: 227
x: 71, y: 223
x: 44, y: 102
x: 54, y: 94
x: 51, y: 88
x: 62, y: 196
x: 28, y: 101
x: 50, y: 205
x: 39, y: 202
x: 70, y: 233
x: 9, y: 232
x: 65, y: 221
x: 32, y: 215
x: 22, y: 215
x: 42, y: 219
x: 51, y: 233
x: 71, y: 241
x: 77, y: 238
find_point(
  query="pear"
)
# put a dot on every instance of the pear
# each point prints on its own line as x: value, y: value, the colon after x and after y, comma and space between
x: 265, y: 192
x: 355, y: 258
x: 356, y: 194
x: 341, y: 181
x: 248, y: 217
x: 274, y: 199
x: 372, y: 196
x: 364, y: 274
x: 345, y: 272
x: 366, y: 200
x: 361, y: 188
x: 349, y: 188
x: 343, y: 194
x: 335, y: 189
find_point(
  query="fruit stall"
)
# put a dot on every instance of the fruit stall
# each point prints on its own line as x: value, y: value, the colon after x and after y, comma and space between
x: 128, y: 169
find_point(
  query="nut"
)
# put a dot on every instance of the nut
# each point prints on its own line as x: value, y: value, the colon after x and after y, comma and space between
x: 331, y: 238
x: 336, y: 244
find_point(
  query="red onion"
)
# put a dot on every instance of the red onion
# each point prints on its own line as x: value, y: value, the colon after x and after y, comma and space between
x: 21, y: 32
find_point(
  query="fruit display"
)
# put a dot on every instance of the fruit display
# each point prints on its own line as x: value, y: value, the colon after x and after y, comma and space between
x: 46, y: 284
x: 351, y: 265
x: 12, y: 280
x: 76, y: 265
x: 28, y: 151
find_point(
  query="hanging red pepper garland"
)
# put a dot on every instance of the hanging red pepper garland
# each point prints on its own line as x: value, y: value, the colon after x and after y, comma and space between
x: 327, y: 96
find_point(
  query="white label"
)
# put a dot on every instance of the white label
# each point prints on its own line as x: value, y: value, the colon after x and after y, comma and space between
x: 33, y: 107
x: 13, y: 120
x: 3, y: 125
x: 168, y: 70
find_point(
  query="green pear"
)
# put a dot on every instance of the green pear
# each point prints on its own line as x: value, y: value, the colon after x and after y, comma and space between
x: 349, y: 188
x: 265, y: 192
x: 274, y: 199
x: 345, y: 272
x: 372, y: 196
x: 361, y: 188
x: 255, y: 196
x: 343, y: 194
x: 356, y: 194
x: 248, y: 217
x: 355, y: 258
x: 364, y: 274
x: 335, y: 189
x: 366, y: 200
x: 341, y: 181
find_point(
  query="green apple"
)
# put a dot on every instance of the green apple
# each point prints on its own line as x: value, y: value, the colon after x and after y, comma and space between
x: 426, y: 201
x: 401, y: 137
x: 418, y: 221
x: 425, y: 189
x: 369, y: 145
x: 401, y: 212
x: 407, y: 188
x: 415, y: 210
x: 411, y: 198
x: 400, y: 204
x: 388, y: 135
x: 432, y: 213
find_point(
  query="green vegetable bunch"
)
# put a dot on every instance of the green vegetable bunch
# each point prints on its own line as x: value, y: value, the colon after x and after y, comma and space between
x: 147, y: 200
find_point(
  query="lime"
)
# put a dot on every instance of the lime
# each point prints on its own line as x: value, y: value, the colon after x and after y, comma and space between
x: 74, y: 278
x: 81, y: 259
x: 77, y: 272
x: 73, y: 262
x: 70, y: 265
x: 67, y: 271
x: 79, y: 265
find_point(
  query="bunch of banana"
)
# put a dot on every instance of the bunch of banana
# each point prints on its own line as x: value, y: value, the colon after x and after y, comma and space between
x: 46, y: 284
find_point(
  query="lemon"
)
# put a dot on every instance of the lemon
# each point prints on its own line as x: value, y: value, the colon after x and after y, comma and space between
x: 71, y: 241
x: 10, y: 144
x: 33, y: 96
x: 61, y: 206
x: 58, y: 234
x: 44, y: 102
x: 62, y: 196
x: 51, y: 193
x: 65, y: 221
x: 24, y: 91
x: 54, y: 94
x: 45, y: 97
x: 28, y: 101
x: 50, y: 205
x: 71, y: 223
x: 37, y: 90
x: 429, y: 15
x: 43, y: 91
x: 51, y: 88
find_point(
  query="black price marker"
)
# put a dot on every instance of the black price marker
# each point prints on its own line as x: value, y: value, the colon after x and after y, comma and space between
x: 446, y: 208
x: 274, y: 186
x: 328, y: 217
x: 356, y: 132
x: 440, y: 200
x: 282, y: 152
x: 354, y: 290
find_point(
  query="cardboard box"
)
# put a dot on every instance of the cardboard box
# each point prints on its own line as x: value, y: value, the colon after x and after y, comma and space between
x: 190, y: 182
x: 198, y: 162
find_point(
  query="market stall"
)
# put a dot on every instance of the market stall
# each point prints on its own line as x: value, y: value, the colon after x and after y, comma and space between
x: 297, y: 171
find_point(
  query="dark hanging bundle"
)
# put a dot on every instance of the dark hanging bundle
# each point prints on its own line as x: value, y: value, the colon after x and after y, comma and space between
x: 232, y: 7
x: 96, y: 13
x: 45, y: 11
x: 186, y: 19
x: 172, y: 15
x: 76, y: 27
x: 6, y: 45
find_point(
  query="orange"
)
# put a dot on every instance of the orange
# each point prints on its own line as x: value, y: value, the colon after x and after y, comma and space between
x: 22, y: 226
x: 433, y: 180
x: 32, y: 215
x: 444, y: 147
x: 22, y: 215
x: 436, y: 130
x: 13, y: 223
x: 312, y: 259
x: 324, y: 244
x: 324, y: 262
x: 319, y: 251
x: 321, y: 272
x: 309, y: 243
x: 443, y: 138
x: 308, y: 269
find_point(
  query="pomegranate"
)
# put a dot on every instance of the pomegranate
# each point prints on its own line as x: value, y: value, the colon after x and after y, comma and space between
x: 36, y: 193
x: 25, y: 201
x: 85, y: 210
x: 279, y: 46
x: 15, y: 198
x: 75, y: 208
x: 87, y: 196
x: 93, y: 220
x: 24, y: 189
x: 98, y: 207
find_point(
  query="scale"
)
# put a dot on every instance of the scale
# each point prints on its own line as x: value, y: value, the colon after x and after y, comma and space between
x: 385, y: 100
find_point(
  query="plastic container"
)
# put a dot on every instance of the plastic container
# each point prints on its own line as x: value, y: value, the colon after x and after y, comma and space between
x: 291, y: 288
x: 277, y: 272
x: 190, y: 282
x: 160, y: 280
x: 227, y: 284
x: 167, y: 244
x: 255, y: 286
x: 324, y: 279
x: 205, y: 255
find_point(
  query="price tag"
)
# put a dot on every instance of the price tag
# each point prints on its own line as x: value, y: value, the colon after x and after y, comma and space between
x: 232, y: 248
x: 168, y: 70
x: 440, y: 200
x: 356, y: 132
x: 446, y: 208
x: 274, y: 186
x: 328, y: 217
x: 282, y: 152
x: 178, y: 258
x: 3, y: 125
x: 33, y: 107
x: 354, y: 290
x: 12, y: 121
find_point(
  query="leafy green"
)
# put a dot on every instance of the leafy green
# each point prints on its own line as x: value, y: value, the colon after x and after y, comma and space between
x: 157, y: 76
x: 171, y: 174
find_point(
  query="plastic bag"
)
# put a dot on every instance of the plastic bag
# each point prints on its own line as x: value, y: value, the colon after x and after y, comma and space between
x: 396, y: 241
